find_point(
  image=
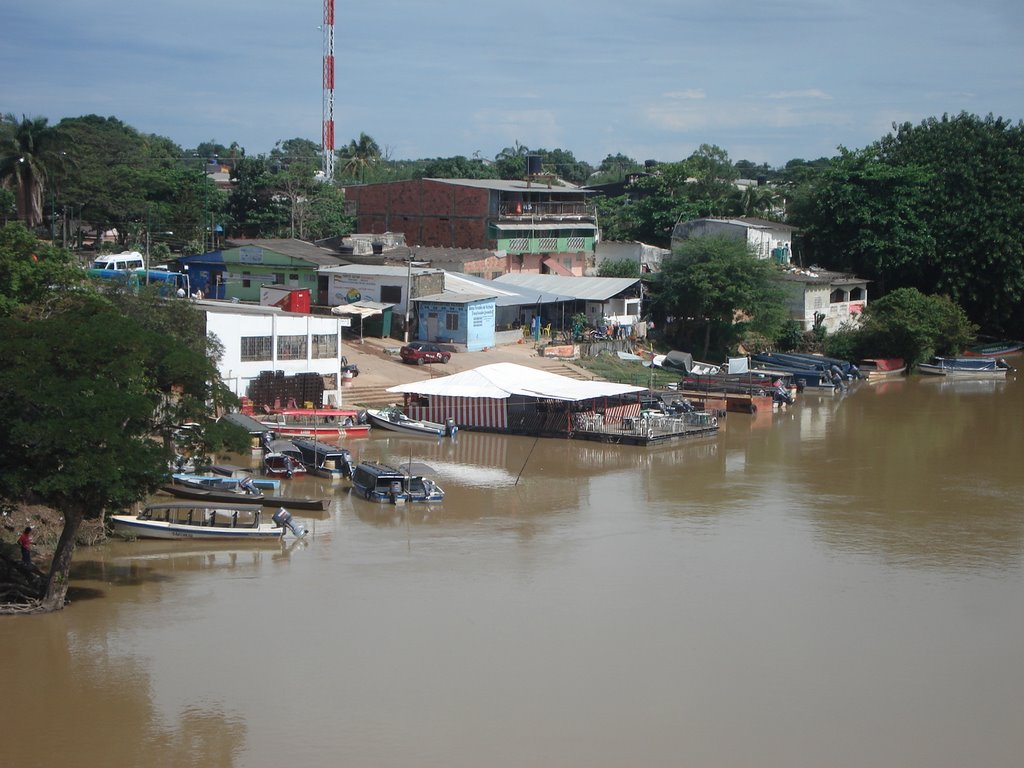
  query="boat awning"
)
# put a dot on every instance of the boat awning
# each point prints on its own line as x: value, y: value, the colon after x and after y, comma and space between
x: 557, y: 268
x: 499, y: 381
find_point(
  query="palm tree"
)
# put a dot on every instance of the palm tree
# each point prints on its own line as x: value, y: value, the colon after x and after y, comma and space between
x: 23, y: 152
x: 359, y: 155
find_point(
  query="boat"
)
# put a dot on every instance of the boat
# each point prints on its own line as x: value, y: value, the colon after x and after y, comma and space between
x: 876, y: 368
x: 382, y: 483
x: 234, y: 497
x: 319, y: 423
x: 224, y: 483
x: 995, y: 349
x: 282, y: 462
x: 324, y: 460
x: 965, y: 367
x: 194, y: 520
x: 393, y: 419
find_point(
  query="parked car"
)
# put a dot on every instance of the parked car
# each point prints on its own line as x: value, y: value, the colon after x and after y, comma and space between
x: 420, y: 352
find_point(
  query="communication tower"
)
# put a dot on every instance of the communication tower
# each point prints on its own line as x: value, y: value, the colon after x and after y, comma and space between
x: 327, y: 139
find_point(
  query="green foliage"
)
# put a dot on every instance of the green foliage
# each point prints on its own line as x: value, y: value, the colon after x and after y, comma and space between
x: 909, y: 324
x: 326, y: 216
x: 32, y: 272
x: 707, y: 283
x: 937, y: 206
x: 619, y: 268
x: 26, y: 154
x: 253, y: 205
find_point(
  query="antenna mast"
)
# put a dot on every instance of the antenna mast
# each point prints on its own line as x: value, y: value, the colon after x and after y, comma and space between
x: 327, y: 139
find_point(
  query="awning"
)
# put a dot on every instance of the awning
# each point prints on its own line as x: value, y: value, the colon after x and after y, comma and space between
x: 557, y: 268
x: 354, y: 309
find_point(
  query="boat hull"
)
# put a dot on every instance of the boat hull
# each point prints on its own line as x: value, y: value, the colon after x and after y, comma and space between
x: 405, y: 425
x: 129, y: 526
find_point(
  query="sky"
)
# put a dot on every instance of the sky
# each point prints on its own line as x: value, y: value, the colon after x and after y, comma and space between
x: 766, y: 81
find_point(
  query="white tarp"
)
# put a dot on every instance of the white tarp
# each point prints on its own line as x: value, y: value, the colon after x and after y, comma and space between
x: 499, y: 381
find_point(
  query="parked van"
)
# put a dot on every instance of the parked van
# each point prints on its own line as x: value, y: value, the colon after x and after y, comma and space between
x: 128, y: 261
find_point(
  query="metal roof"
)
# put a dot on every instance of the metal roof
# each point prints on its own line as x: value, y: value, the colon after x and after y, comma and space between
x: 455, y: 297
x: 506, y: 295
x: 379, y: 270
x: 296, y: 249
x: 587, y: 288
x: 545, y: 227
x: 513, y: 185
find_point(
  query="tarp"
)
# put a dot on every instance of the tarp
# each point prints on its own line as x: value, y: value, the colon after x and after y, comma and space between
x: 678, y: 361
x: 355, y: 309
x: 499, y: 381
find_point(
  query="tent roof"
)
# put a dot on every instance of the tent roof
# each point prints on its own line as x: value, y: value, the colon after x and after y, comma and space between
x: 499, y: 381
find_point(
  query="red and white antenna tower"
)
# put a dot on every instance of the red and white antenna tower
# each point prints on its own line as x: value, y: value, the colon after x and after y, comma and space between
x: 328, y: 127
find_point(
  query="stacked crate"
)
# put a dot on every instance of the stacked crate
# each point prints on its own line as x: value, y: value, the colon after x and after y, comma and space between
x: 274, y: 389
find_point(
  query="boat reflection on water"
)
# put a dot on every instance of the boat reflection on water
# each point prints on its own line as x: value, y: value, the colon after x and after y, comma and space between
x: 963, y: 386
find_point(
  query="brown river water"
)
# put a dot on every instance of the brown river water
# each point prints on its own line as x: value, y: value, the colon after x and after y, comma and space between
x: 840, y: 584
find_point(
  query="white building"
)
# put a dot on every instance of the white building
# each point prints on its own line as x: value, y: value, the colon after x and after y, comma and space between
x: 646, y: 257
x: 833, y: 298
x: 767, y: 239
x: 257, y: 338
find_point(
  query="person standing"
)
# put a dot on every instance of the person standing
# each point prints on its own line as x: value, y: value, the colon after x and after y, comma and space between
x: 25, y: 542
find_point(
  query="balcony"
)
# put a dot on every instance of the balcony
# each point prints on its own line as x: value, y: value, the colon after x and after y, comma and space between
x: 549, y: 210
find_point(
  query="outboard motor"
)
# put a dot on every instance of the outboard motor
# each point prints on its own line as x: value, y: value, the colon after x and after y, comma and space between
x: 348, y: 467
x: 284, y: 519
x: 450, y: 429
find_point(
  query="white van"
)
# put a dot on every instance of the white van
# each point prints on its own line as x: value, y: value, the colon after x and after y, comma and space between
x: 128, y: 261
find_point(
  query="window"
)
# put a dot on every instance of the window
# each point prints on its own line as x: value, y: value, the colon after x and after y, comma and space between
x: 255, y: 348
x: 325, y: 346
x: 451, y: 322
x: 391, y: 294
x: 246, y: 282
x: 291, y: 347
x: 576, y: 244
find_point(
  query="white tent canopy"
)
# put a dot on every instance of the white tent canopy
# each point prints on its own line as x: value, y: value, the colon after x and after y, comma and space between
x: 500, y: 381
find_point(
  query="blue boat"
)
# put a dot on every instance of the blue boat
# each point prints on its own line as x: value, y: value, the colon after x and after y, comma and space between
x: 381, y: 483
x: 222, y: 483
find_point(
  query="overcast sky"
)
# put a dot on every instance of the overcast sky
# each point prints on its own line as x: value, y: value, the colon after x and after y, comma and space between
x: 767, y: 81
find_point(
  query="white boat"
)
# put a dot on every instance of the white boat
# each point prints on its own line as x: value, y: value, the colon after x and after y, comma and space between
x: 197, y: 520
x: 965, y: 368
x: 393, y: 419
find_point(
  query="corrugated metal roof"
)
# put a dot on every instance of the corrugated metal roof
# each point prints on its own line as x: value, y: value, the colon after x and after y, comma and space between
x: 297, y: 249
x: 505, y: 295
x: 379, y: 270
x: 513, y: 185
x: 587, y: 288
x: 455, y: 297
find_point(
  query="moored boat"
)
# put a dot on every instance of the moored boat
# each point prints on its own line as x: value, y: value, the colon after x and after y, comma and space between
x: 193, y: 520
x: 965, y: 368
x: 381, y: 483
x: 324, y: 460
x: 233, y: 497
x: 318, y: 423
x: 874, y: 368
x: 995, y: 349
x: 394, y: 420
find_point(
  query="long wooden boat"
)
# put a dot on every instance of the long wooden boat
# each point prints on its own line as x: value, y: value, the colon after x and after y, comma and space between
x: 995, y: 349
x: 394, y: 420
x: 318, y: 423
x: 965, y: 368
x: 194, y: 520
x: 231, y: 497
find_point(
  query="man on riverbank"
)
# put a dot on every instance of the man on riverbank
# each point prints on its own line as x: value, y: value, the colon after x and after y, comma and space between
x: 25, y: 542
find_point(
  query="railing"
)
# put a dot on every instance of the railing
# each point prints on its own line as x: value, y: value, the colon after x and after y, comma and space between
x: 518, y: 208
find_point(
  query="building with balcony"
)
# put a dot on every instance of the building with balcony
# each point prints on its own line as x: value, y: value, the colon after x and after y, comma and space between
x: 535, y: 227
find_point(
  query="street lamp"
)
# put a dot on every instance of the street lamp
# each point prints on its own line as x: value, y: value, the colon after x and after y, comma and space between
x: 408, y: 292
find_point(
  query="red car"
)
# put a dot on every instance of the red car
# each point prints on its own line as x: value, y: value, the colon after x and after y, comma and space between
x: 420, y: 352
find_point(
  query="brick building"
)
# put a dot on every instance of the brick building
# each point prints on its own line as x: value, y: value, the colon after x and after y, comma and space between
x: 531, y: 226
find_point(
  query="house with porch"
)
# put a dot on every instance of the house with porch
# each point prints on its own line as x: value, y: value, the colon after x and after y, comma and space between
x: 819, y: 297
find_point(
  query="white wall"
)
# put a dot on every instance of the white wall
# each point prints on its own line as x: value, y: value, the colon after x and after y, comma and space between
x: 231, y: 327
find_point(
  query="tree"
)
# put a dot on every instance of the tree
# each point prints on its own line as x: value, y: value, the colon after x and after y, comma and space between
x: 909, y: 324
x: 716, y: 286
x: 24, y: 153
x: 937, y: 206
x: 619, y: 268
x: 360, y: 155
x: 327, y: 216
x: 253, y: 205
x: 81, y: 403
x: 713, y: 175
